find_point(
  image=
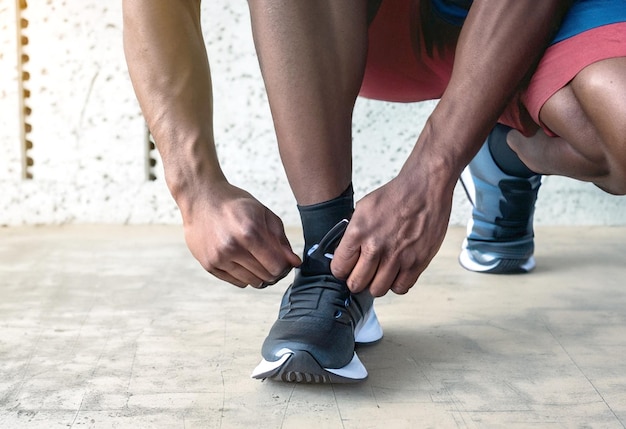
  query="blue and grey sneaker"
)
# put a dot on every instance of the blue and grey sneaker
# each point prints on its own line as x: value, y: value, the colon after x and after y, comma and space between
x: 319, y: 323
x: 500, y: 238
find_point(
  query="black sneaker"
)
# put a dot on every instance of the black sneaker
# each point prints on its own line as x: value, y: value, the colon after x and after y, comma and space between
x: 318, y: 324
x: 500, y: 238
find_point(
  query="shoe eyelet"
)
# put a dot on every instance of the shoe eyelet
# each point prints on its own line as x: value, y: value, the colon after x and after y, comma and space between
x: 338, y: 314
x: 347, y: 302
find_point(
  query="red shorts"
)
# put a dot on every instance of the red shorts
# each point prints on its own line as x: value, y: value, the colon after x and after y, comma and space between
x: 395, y: 70
x: 564, y: 60
x: 398, y: 70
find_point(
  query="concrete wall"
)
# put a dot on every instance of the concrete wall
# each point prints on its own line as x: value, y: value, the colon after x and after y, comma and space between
x: 90, y: 157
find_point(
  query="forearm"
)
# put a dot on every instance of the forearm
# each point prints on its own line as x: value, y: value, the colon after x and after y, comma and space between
x: 169, y: 70
x: 499, y: 44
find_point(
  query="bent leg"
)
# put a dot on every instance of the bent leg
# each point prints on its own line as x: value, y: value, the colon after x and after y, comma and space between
x: 312, y: 56
x: 589, y: 116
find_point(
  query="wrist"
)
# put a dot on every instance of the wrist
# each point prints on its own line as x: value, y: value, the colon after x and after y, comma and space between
x: 193, y: 177
x: 439, y: 156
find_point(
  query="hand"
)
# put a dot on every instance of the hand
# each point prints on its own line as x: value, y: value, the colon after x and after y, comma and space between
x: 394, y: 233
x: 554, y: 155
x: 236, y: 238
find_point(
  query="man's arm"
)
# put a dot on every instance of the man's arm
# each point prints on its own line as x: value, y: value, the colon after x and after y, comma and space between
x: 231, y: 234
x: 499, y: 43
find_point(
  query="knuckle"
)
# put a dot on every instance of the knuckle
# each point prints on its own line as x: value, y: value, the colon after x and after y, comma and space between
x: 221, y: 257
x: 378, y: 291
x: 209, y: 266
x: 402, y: 285
x: 248, y: 231
x: 354, y: 225
x: 346, y: 251
x: 370, y: 251
x: 354, y: 233
x: 411, y: 263
x: 354, y: 284
x: 208, y: 262
x: 400, y: 289
x: 227, y: 245
x: 278, y: 271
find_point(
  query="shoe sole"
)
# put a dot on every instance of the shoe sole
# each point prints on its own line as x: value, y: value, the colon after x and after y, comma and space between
x: 368, y: 330
x: 499, y: 266
x: 299, y: 366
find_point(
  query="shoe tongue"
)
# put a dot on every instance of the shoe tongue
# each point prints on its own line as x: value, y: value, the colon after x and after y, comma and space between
x: 318, y: 259
x: 316, y: 265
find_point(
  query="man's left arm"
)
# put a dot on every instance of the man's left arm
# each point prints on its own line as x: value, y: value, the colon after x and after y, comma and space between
x: 389, y: 248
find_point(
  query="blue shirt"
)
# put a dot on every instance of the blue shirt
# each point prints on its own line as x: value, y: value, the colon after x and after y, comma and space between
x: 582, y: 16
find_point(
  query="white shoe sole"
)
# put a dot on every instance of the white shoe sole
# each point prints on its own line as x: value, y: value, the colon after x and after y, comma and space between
x: 498, y: 266
x: 299, y: 366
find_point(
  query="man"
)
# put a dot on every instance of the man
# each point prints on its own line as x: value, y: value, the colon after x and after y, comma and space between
x: 316, y: 58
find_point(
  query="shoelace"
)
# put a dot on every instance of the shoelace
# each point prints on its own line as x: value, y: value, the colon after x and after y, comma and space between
x: 308, y: 295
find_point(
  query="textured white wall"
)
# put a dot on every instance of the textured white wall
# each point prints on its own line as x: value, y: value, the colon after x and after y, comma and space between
x: 88, y: 134
x: 9, y: 133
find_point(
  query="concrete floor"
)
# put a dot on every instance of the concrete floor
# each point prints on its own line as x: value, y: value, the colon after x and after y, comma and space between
x: 118, y: 327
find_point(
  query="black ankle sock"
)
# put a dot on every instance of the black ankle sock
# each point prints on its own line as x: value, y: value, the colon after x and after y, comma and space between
x: 318, y: 219
x: 504, y: 156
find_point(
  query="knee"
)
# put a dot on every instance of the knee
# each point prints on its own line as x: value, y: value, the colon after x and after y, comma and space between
x: 615, y: 160
x: 600, y: 88
x: 616, y: 184
x: 612, y: 188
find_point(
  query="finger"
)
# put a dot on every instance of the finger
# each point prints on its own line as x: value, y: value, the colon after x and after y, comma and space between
x: 248, y: 263
x: 242, y: 274
x: 346, y: 256
x: 278, y: 229
x: 384, y: 279
x: 273, y: 253
x: 269, y: 266
x: 405, y: 280
x: 276, y: 280
x: 548, y: 154
x: 223, y: 275
x: 364, y: 270
x: 292, y: 259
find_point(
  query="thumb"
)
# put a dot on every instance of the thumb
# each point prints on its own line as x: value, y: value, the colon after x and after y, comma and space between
x: 291, y: 257
x: 345, y: 257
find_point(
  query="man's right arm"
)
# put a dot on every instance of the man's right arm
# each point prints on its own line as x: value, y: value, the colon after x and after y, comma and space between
x: 229, y: 232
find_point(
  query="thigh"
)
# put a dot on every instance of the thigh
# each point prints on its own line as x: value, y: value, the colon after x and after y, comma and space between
x: 600, y: 89
x: 590, y: 111
x: 564, y: 63
x: 590, y: 115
